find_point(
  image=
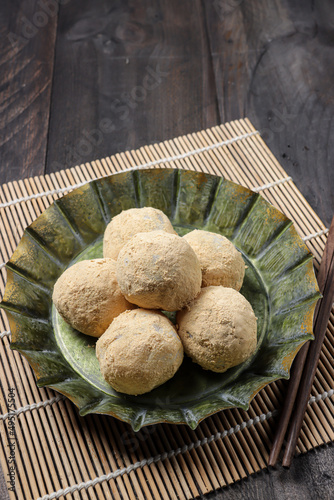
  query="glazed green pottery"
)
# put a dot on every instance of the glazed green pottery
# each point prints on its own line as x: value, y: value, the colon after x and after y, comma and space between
x: 279, y: 283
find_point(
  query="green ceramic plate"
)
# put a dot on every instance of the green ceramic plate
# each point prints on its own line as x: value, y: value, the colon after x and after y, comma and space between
x: 279, y: 283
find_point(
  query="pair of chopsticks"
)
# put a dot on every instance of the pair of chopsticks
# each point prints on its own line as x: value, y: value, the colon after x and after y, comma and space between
x: 306, y: 362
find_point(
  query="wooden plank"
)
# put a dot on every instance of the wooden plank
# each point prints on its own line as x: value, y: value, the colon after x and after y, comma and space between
x: 27, y: 56
x: 135, y: 55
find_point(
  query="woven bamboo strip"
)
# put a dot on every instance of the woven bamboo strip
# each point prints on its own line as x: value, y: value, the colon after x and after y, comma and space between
x: 95, y: 466
x: 110, y: 164
x: 216, y: 475
x: 201, y: 475
x: 164, y: 472
x: 175, y: 474
x: 326, y: 365
x: 31, y: 424
x: 322, y: 410
x: 27, y: 468
x: 217, y: 460
x: 103, y: 166
x: 9, y: 222
x: 38, y: 204
x: 203, y: 455
x: 6, y: 249
x: 246, y: 439
x: 72, y: 443
x: 244, y: 466
x: 98, y: 168
x: 325, y: 373
x: 328, y: 409
x: 112, y: 434
x: 229, y: 464
x: 321, y: 415
x: 253, y: 439
x: 264, y: 433
x: 102, y: 455
x: 246, y: 443
x: 24, y: 436
x: 21, y: 483
x: 182, y: 466
x: 129, y: 457
x: 136, y: 480
x: 222, y: 452
x: 330, y: 332
x: 190, y: 459
x: 322, y: 385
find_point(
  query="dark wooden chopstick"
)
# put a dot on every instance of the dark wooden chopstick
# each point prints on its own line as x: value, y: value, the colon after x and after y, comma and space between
x: 295, y: 376
x: 306, y: 362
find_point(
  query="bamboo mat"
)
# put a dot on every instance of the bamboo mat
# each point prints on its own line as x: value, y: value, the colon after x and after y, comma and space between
x: 59, y: 453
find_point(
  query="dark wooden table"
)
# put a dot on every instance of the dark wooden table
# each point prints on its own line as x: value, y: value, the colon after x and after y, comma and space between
x: 83, y: 79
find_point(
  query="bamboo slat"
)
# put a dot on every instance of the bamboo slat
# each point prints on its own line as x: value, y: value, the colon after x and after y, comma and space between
x: 56, y: 448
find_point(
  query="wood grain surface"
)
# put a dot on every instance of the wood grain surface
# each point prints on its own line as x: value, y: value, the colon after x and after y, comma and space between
x: 81, y: 80
x: 27, y: 56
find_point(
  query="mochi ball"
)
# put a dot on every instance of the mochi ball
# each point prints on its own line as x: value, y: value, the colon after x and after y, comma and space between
x: 130, y: 222
x: 139, y: 351
x: 221, y: 263
x: 218, y: 330
x: 88, y: 297
x: 158, y: 270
